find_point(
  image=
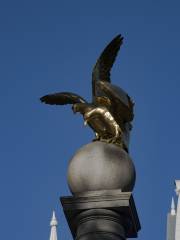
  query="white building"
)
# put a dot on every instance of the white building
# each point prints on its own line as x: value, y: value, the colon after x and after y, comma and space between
x: 173, y: 218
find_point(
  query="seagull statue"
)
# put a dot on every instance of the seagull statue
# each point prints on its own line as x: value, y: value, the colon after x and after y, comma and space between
x: 111, y: 111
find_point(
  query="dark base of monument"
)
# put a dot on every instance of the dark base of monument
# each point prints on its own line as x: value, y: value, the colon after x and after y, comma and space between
x: 107, y: 214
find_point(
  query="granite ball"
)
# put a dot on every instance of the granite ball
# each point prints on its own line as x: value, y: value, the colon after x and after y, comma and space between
x: 101, y: 166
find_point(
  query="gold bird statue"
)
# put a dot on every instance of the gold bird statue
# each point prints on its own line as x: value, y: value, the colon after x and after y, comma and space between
x: 111, y: 111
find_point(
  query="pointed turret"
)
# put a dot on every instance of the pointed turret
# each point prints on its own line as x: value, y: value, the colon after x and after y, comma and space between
x: 171, y: 222
x: 53, y: 224
x: 173, y: 209
x: 177, y: 190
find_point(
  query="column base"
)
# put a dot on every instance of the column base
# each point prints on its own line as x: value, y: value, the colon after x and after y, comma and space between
x: 106, y: 214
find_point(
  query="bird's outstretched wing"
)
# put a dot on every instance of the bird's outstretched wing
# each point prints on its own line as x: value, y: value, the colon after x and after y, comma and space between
x: 62, y: 98
x: 101, y: 70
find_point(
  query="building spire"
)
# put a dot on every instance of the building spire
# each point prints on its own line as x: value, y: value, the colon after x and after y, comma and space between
x: 177, y: 232
x: 53, y: 224
x: 173, y: 209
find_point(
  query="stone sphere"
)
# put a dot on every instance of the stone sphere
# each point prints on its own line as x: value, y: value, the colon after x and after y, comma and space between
x: 101, y: 166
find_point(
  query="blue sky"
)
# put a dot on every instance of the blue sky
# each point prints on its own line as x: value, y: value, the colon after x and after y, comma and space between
x: 49, y: 46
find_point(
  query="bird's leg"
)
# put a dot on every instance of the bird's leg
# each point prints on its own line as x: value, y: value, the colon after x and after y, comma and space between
x: 118, y: 133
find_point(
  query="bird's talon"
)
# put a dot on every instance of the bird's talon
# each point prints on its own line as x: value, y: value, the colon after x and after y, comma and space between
x: 112, y: 140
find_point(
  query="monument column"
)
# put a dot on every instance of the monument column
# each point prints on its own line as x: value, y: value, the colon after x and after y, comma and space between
x: 101, y: 177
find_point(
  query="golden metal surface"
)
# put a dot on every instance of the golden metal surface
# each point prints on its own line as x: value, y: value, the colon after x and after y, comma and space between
x: 111, y: 111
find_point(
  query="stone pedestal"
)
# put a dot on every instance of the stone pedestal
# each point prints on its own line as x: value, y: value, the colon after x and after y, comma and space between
x: 103, y: 214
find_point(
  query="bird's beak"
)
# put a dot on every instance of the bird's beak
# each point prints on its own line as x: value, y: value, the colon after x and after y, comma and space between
x: 85, y: 122
x: 73, y: 108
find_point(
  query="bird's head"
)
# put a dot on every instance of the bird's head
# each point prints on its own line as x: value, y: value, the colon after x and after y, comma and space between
x: 75, y: 108
x: 81, y: 107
